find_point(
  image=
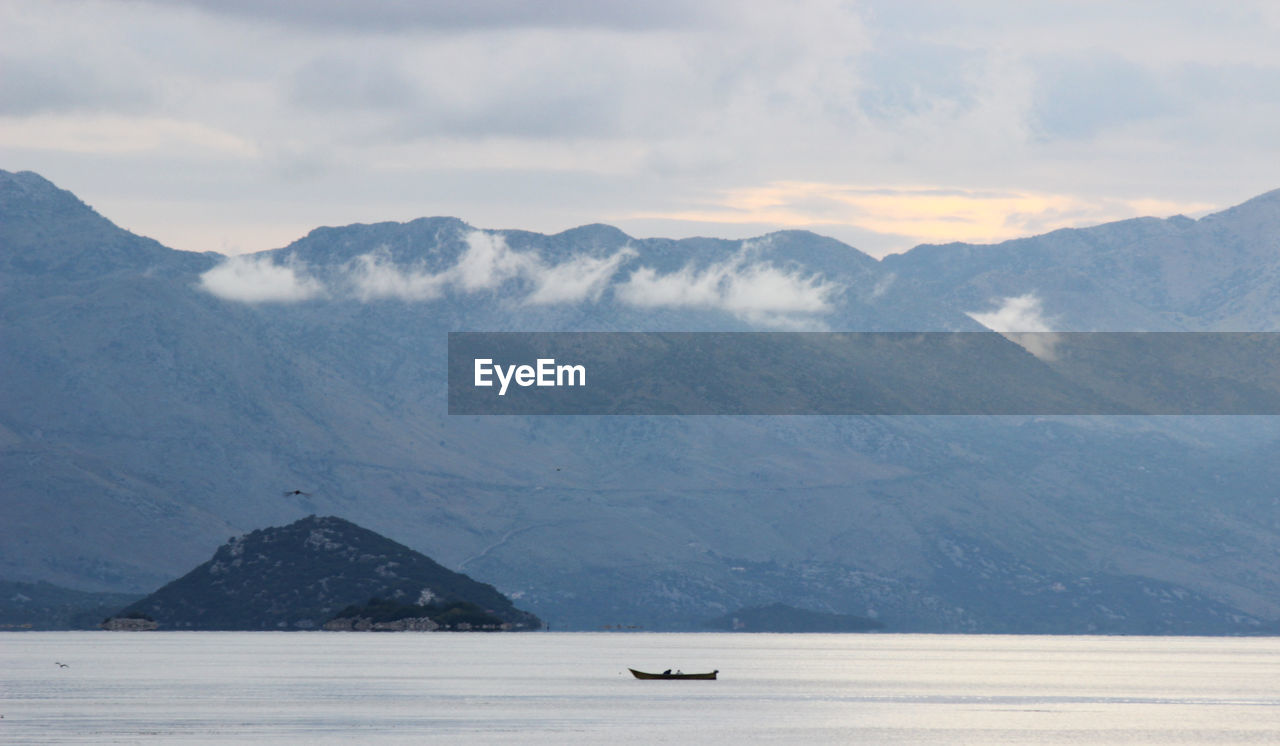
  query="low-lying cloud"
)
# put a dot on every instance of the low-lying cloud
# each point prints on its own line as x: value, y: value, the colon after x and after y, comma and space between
x: 258, y: 279
x: 579, y: 279
x: 1021, y: 320
x: 375, y: 276
x: 758, y: 291
x: 752, y: 289
x: 486, y: 263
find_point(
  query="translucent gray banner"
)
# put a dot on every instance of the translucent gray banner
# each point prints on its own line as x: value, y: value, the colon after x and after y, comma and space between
x: 889, y: 373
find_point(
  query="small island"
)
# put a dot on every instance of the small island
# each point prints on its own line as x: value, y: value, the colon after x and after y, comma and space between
x: 322, y: 573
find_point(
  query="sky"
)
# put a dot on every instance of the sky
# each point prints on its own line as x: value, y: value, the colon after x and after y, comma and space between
x: 240, y: 125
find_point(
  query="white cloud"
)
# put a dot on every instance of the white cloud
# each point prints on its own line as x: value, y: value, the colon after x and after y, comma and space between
x: 488, y: 262
x: 1020, y: 313
x: 258, y: 279
x: 547, y: 116
x: 764, y: 288
x: 756, y: 291
x: 1021, y: 320
x: 484, y: 265
x: 374, y: 277
x: 683, y: 289
x: 584, y: 278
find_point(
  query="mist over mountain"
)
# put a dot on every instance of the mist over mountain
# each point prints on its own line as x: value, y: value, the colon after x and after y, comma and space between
x: 157, y: 401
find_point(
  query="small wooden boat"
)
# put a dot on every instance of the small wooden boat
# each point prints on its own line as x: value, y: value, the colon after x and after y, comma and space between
x: 677, y: 675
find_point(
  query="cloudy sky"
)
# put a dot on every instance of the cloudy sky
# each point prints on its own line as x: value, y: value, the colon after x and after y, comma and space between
x: 240, y: 125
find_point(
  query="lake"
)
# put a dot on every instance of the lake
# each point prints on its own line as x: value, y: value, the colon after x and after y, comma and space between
x: 553, y: 687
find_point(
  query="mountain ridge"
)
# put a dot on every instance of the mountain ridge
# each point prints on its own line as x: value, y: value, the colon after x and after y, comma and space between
x: 140, y: 404
x: 48, y: 230
x: 41, y: 193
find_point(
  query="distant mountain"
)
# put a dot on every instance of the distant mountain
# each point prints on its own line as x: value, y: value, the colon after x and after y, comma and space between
x: 48, y: 231
x: 301, y: 575
x: 1219, y: 273
x: 157, y: 401
x: 42, y: 606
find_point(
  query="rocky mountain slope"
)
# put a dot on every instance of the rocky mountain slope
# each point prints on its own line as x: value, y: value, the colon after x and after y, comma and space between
x: 1219, y: 273
x: 157, y: 401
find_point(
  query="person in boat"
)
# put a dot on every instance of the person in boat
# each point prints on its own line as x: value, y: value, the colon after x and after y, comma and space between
x: 667, y: 672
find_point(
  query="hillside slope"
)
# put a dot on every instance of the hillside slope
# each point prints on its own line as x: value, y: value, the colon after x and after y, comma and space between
x: 153, y: 407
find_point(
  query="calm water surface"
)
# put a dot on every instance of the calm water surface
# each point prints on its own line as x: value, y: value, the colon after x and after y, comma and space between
x: 574, y: 688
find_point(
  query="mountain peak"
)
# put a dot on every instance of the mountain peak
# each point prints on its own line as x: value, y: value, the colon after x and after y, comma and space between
x: 27, y: 179
x: 300, y: 575
x: 28, y: 194
x: 600, y: 234
x: 45, y: 230
x: 404, y: 242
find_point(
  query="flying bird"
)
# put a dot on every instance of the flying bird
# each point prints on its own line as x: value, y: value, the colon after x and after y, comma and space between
x: 292, y: 493
x: 63, y: 665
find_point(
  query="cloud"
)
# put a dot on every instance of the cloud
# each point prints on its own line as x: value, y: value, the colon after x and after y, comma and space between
x: 1021, y: 313
x: 488, y: 262
x: 513, y: 89
x: 452, y: 16
x: 584, y: 278
x: 50, y: 84
x: 757, y: 291
x: 1021, y: 320
x: 753, y: 290
x: 258, y: 279
x: 375, y: 277
x: 485, y: 264
x: 548, y: 115
x: 346, y: 83
x: 1079, y: 97
x: 914, y: 77
x: 113, y: 134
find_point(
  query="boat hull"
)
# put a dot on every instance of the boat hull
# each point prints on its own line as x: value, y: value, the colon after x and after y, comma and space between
x: 675, y: 676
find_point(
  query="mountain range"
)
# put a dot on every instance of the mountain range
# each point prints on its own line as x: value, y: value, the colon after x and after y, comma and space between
x: 157, y: 401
